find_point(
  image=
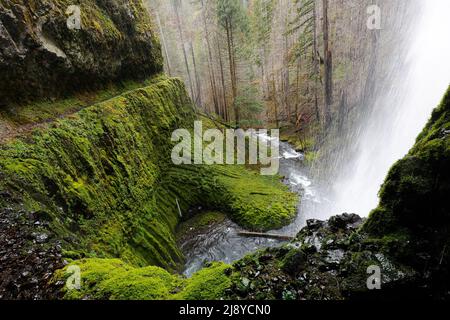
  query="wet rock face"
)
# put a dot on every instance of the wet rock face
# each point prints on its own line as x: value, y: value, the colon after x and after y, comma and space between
x: 40, y: 56
x: 327, y: 261
x: 307, y: 268
x: 28, y: 255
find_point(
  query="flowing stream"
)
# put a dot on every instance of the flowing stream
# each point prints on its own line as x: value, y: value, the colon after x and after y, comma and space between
x: 413, y: 88
x: 223, y: 243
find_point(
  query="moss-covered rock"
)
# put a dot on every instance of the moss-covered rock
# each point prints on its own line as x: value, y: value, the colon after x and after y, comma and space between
x: 415, y: 194
x: 94, y: 176
x: 112, y: 279
x: 254, y: 201
x: 412, y: 222
x: 41, y: 57
x: 209, y: 283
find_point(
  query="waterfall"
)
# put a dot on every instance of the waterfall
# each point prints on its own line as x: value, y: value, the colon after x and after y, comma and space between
x: 413, y: 89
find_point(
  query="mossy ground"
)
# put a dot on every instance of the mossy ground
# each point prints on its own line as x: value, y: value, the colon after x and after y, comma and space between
x: 94, y: 175
x: 256, y: 202
x: 48, y: 110
x: 112, y: 279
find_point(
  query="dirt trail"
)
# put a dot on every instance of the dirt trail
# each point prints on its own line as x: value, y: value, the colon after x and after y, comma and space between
x: 10, y: 130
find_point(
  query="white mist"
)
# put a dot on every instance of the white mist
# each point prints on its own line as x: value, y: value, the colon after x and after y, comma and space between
x: 400, y: 114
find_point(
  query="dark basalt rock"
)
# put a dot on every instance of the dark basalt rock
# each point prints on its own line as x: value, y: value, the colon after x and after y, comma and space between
x: 345, y: 220
x: 322, y: 263
x: 41, y: 57
x: 28, y: 257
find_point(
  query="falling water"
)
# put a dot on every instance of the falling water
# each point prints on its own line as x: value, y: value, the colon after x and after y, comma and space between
x: 399, y: 113
x: 402, y: 104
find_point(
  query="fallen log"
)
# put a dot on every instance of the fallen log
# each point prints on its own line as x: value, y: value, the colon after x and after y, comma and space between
x: 265, y: 235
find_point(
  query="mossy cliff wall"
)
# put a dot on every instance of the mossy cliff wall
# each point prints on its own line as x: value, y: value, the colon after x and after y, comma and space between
x: 41, y: 57
x: 413, y: 218
x: 101, y: 183
x: 91, y: 181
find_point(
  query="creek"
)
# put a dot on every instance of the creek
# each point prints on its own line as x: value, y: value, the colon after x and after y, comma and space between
x: 222, y: 241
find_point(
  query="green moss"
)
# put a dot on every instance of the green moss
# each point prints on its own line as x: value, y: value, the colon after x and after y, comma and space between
x: 293, y: 262
x: 112, y: 279
x: 414, y: 207
x: 256, y: 202
x: 311, y: 157
x: 198, y: 223
x: 104, y: 179
x: 103, y: 279
x: 253, y: 201
x: 300, y: 142
x: 207, y: 284
x: 47, y: 110
x: 95, y: 174
x: 418, y: 183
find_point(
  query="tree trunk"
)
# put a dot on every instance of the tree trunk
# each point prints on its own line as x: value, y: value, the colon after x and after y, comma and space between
x: 297, y: 96
x: 198, y: 98
x: 163, y: 39
x: 316, y: 66
x: 232, y: 69
x: 180, y: 30
x: 222, y: 79
x: 286, y: 76
x: 328, y: 86
x: 210, y: 62
x: 275, y: 101
x: 342, y: 111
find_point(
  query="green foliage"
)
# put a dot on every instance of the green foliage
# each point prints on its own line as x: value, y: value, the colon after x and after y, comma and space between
x: 249, y: 102
x: 304, y: 21
x: 231, y: 15
x: 261, y: 19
